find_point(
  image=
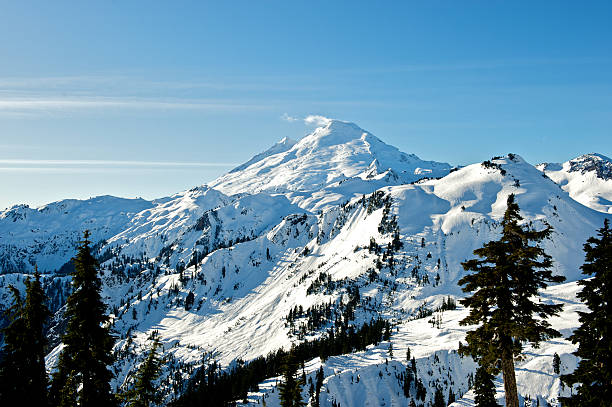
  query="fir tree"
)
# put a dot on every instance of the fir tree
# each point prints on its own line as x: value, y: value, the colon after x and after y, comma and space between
x: 484, y: 389
x: 594, y: 336
x: 556, y: 363
x: 407, y: 382
x: 144, y: 393
x: 451, y: 396
x: 83, y: 363
x: 22, y: 372
x: 439, y: 398
x: 319, y: 384
x: 506, y: 279
x: 13, y: 364
x: 290, y: 390
x: 36, y: 315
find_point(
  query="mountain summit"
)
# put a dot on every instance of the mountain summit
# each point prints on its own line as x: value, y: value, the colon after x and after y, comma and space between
x: 587, y: 178
x: 334, y: 153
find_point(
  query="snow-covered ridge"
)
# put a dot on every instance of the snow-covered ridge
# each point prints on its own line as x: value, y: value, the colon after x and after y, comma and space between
x: 600, y: 164
x: 305, y: 224
x: 587, y: 178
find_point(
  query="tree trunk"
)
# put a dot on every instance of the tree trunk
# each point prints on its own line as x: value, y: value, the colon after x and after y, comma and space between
x: 507, y: 364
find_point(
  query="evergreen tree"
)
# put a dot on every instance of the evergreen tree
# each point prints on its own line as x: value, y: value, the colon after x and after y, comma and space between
x: 290, y: 389
x: 319, y: 384
x: 439, y: 398
x: 407, y: 382
x: 144, y: 393
x: 36, y: 315
x: 594, y: 336
x: 84, y: 360
x: 22, y: 372
x: 13, y: 364
x: 484, y: 389
x: 556, y: 363
x: 506, y: 279
x: 451, y: 396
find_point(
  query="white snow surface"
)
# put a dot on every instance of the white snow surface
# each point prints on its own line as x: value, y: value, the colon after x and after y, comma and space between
x: 339, y: 152
x: 588, y: 179
x: 255, y: 240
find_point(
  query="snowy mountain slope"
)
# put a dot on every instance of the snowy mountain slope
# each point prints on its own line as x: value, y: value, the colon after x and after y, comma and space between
x: 243, y: 292
x: 47, y: 236
x: 334, y: 153
x: 588, y: 179
x: 373, y: 377
x: 278, y: 148
x: 337, y: 228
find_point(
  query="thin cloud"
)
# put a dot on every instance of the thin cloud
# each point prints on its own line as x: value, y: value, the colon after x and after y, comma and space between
x: 317, y: 120
x: 102, y: 163
x: 289, y: 118
x: 95, y: 170
x: 17, y: 105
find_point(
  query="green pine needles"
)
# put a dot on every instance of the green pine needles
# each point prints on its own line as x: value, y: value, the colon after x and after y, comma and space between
x: 594, y: 336
x: 504, y: 283
x: 484, y: 388
x: 83, y: 375
x: 290, y: 389
x: 22, y: 370
x: 144, y: 392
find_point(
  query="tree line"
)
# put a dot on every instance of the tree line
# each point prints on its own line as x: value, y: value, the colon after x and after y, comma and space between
x: 82, y: 376
x: 214, y: 386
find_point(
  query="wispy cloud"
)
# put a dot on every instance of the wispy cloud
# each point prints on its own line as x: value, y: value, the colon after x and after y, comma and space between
x: 286, y: 117
x: 49, y: 104
x: 104, y: 166
x: 312, y: 119
x: 317, y: 120
x: 103, y: 163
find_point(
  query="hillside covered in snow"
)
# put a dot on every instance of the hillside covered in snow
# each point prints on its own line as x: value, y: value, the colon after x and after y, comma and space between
x: 337, y: 227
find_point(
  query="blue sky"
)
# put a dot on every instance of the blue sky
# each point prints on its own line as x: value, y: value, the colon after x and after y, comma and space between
x: 148, y: 98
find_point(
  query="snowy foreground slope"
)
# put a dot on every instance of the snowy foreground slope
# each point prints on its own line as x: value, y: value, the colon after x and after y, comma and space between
x: 311, y: 224
x: 372, y: 377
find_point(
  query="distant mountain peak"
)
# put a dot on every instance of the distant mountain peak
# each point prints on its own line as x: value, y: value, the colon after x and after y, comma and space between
x: 593, y: 162
x: 333, y: 152
x: 334, y: 132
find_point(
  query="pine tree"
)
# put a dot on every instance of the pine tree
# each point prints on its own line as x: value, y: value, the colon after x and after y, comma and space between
x: 594, y: 336
x: 451, y: 396
x: 506, y: 279
x: 556, y: 363
x: 22, y: 372
x: 13, y: 364
x: 36, y: 315
x: 84, y: 360
x: 439, y: 398
x: 318, y: 385
x: 484, y: 389
x: 290, y: 389
x: 144, y: 393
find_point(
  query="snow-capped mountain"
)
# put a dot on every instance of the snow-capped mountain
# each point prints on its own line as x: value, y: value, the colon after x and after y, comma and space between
x: 588, y: 179
x: 47, y: 236
x: 332, y: 164
x: 337, y: 224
